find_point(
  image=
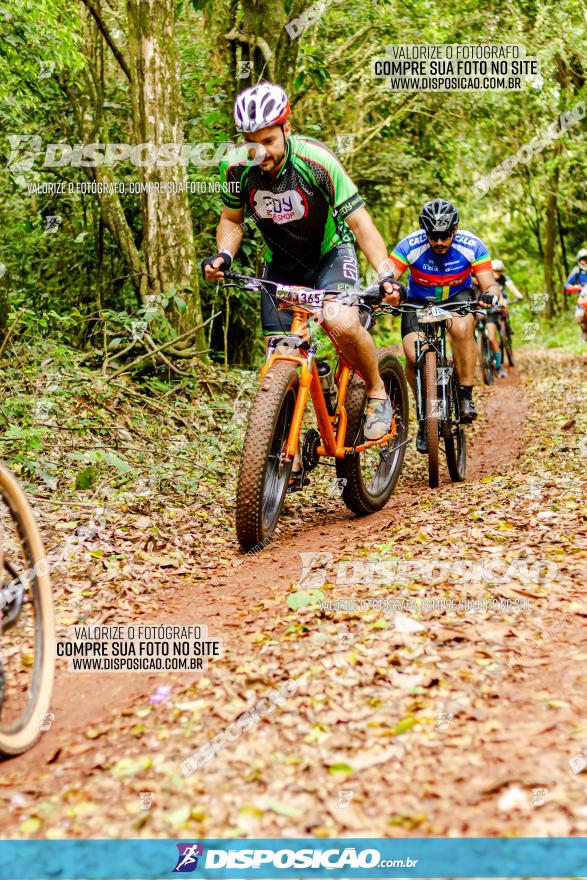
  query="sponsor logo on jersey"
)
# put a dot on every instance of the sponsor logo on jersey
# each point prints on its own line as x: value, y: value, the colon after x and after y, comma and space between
x: 279, y: 207
x: 463, y: 239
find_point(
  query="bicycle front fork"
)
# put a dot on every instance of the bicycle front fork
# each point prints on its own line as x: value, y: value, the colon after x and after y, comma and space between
x: 443, y: 375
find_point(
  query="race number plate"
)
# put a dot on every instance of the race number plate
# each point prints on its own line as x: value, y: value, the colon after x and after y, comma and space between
x: 303, y: 296
x: 433, y: 314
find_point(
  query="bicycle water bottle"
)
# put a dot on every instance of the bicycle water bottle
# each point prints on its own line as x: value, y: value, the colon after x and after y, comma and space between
x: 328, y: 385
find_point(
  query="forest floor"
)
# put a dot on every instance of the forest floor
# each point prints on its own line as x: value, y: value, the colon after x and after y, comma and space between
x: 447, y: 717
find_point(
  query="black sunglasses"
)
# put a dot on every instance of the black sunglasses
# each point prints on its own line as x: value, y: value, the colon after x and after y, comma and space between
x: 439, y: 236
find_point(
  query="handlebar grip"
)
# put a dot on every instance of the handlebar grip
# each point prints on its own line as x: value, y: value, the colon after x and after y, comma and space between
x: 372, y: 295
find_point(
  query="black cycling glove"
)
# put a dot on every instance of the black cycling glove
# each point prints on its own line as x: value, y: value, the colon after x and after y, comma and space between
x: 224, y: 265
x: 398, y: 284
x: 489, y: 299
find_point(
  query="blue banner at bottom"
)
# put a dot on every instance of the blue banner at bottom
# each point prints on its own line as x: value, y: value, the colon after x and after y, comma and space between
x: 302, y: 857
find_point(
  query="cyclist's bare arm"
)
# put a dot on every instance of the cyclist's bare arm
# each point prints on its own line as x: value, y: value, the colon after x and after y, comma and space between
x: 513, y: 289
x: 229, y: 237
x: 372, y: 244
x: 487, y: 282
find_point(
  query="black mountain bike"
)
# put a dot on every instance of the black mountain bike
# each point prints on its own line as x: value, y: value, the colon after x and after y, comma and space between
x: 437, y: 393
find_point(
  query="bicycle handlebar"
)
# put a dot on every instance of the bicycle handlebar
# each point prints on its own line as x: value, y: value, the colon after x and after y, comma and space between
x: 364, y: 296
x: 465, y: 308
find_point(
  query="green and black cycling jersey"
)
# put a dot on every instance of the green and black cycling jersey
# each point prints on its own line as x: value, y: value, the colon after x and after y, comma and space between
x: 301, y: 210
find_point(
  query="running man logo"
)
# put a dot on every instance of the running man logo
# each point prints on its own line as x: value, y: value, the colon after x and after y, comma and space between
x: 187, y: 860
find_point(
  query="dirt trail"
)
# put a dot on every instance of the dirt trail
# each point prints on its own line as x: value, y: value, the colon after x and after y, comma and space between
x: 87, y: 700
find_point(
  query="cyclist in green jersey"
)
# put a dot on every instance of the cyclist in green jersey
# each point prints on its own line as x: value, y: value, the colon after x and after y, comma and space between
x: 309, y: 213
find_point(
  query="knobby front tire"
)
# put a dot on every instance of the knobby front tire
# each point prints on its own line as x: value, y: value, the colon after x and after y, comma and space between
x: 264, y: 473
x: 431, y: 391
x: 33, y: 630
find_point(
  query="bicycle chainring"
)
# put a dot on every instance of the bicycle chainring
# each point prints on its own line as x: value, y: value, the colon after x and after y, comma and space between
x: 310, y: 457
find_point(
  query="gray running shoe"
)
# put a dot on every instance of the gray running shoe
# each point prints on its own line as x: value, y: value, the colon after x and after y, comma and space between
x: 379, y: 414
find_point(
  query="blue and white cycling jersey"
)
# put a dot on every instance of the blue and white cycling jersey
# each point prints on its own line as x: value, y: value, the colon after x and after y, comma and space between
x: 442, y: 276
x: 578, y: 277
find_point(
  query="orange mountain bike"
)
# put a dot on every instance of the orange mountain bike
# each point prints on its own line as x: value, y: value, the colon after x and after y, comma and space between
x: 367, y: 470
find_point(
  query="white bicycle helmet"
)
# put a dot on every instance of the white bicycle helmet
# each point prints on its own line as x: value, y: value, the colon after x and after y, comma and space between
x: 259, y: 106
x: 582, y: 255
x: 497, y: 266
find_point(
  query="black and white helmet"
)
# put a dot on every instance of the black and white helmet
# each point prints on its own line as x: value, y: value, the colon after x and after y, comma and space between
x: 438, y: 216
x: 582, y: 255
x: 259, y: 106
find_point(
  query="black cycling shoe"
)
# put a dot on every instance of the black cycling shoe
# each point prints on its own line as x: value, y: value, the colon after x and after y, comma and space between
x: 422, y: 439
x: 468, y: 411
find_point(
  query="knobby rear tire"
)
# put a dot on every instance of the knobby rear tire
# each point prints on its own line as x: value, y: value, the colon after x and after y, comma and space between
x: 486, y: 360
x: 260, y: 485
x: 456, y: 443
x: 508, y: 344
x: 356, y: 494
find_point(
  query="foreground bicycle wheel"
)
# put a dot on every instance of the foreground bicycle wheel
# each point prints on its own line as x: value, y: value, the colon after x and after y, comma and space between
x: 27, y: 631
x: 368, y: 478
x: 431, y: 392
x: 264, y: 472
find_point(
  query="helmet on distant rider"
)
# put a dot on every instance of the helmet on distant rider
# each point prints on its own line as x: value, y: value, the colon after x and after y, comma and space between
x: 497, y: 266
x: 582, y: 254
x: 260, y: 106
x: 439, y: 216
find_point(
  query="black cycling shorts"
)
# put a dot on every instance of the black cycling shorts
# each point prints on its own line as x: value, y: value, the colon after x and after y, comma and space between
x: 410, y: 318
x: 336, y: 270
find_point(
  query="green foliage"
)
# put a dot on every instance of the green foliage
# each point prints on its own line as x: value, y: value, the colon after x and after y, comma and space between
x: 73, y: 284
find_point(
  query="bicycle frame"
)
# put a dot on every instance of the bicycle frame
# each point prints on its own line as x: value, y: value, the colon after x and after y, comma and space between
x: 332, y: 427
x: 434, y: 338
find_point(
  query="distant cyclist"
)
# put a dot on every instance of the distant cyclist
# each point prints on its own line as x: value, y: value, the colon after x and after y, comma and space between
x: 493, y: 314
x: 575, y: 283
x: 504, y: 282
x: 442, y: 260
x: 506, y: 286
x: 309, y: 213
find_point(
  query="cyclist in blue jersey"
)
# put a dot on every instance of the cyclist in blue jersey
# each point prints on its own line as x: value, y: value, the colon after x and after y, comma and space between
x: 442, y: 259
x: 576, y: 283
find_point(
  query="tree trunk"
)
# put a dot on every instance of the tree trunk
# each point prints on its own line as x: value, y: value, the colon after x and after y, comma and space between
x: 550, y: 233
x: 168, y: 243
x: 265, y: 41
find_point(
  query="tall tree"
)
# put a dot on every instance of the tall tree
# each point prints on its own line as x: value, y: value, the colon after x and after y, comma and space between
x: 168, y: 242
